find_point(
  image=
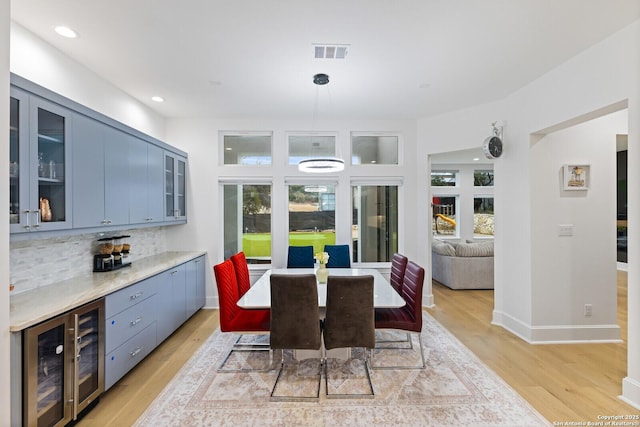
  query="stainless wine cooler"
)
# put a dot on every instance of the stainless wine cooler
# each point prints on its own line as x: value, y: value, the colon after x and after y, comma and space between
x: 63, y: 366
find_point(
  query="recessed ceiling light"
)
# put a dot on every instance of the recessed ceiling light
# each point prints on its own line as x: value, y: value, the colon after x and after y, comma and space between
x: 476, y: 159
x: 66, y: 32
x: 157, y: 98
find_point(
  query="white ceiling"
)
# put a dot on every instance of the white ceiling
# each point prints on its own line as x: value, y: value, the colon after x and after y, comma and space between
x: 254, y: 58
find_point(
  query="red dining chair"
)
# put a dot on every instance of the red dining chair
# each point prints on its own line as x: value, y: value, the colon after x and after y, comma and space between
x: 236, y: 319
x: 407, y: 318
x: 239, y: 261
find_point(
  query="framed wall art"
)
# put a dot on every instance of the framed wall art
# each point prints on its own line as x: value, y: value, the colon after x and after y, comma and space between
x: 576, y: 177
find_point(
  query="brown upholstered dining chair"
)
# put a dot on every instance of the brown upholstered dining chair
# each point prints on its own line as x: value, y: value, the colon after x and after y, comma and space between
x: 349, y: 322
x: 295, y: 324
x: 407, y: 318
x: 236, y: 319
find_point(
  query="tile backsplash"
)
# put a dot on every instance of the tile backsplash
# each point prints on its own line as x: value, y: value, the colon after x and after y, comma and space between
x: 36, y: 263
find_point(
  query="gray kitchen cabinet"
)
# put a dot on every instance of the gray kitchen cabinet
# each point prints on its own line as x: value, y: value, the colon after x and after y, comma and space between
x: 130, y: 328
x: 40, y: 150
x: 116, y: 175
x: 100, y: 174
x: 128, y: 355
x: 172, y: 301
x: 175, y: 187
x: 195, y: 285
x: 146, y: 184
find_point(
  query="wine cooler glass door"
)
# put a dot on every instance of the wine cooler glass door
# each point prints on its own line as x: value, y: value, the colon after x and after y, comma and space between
x: 89, y: 354
x: 48, y: 389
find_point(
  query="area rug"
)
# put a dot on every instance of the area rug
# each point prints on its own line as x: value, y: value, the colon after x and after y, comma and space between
x: 455, y: 389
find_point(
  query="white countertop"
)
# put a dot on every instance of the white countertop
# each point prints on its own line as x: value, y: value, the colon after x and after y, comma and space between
x: 35, y: 306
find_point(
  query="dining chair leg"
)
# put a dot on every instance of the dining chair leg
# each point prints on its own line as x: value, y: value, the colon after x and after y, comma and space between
x: 245, y: 347
x: 369, y: 395
x: 421, y: 348
x: 292, y: 397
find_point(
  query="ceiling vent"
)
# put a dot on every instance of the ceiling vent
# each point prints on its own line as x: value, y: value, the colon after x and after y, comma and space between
x: 330, y: 51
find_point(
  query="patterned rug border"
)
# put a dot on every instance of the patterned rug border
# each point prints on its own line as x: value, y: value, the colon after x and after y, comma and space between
x: 190, y: 397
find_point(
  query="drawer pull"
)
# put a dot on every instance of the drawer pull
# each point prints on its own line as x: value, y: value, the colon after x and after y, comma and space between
x: 136, y: 295
x: 135, y: 352
x: 136, y: 321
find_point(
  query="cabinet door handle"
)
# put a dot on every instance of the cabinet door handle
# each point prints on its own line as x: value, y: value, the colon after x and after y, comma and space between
x: 37, y: 214
x: 136, y: 321
x: 27, y: 216
x: 136, y: 296
x: 135, y: 352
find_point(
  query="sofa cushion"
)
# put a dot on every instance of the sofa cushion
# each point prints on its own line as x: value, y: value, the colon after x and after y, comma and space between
x: 481, y: 249
x: 443, y: 248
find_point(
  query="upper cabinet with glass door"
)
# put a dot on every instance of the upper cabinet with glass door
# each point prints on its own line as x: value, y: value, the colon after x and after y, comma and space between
x: 39, y: 166
x: 175, y: 187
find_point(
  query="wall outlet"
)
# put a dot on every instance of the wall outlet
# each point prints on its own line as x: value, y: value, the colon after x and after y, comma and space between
x: 588, y: 310
x: 565, y: 229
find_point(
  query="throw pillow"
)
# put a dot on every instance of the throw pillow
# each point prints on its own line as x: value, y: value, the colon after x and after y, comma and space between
x: 443, y: 248
x: 483, y: 249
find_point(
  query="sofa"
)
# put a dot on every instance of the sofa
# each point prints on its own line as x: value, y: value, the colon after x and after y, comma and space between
x: 462, y: 265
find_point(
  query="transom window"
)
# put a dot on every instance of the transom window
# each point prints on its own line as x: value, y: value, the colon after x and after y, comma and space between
x: 247, y: 149
x: 374, y: 149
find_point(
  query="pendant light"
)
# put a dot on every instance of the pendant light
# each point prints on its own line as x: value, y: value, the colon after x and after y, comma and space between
x: 326, y: 164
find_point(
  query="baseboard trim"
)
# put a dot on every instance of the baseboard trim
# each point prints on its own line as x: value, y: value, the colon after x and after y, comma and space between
x: 557, y: 334
x: 630, y: 392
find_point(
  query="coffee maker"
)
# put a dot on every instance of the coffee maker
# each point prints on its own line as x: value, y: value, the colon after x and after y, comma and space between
x: 112, y: 252
x: 103, y: 260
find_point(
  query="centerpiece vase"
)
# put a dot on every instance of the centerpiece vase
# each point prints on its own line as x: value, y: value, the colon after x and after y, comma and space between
x: 322, y: 273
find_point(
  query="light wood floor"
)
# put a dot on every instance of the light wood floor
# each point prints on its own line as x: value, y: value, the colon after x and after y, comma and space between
x: 571, y: 382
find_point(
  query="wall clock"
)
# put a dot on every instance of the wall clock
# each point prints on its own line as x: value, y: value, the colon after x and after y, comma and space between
x: 492, y: 147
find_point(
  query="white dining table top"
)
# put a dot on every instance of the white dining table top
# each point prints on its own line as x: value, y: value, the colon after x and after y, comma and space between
x: 259, y: 296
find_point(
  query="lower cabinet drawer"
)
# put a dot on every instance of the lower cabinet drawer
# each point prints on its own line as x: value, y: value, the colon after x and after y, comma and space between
x: 128, y: 323
x: 122, y: 359
x: 129, y: 296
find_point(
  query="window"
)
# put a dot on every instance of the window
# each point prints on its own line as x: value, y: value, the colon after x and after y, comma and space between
x: 247, y: 221
x: 312, y: 215
x: 307, y: 146
x: 444, y: 216
x: 483, y: 223
x: 374, y: 228
x: 444, y: 178
x: 374, y: 150
x: 247, y: 149
x: 483, y: 178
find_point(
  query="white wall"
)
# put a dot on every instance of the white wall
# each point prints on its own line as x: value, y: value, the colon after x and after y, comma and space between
x: 5, y: 384
x: 43, y: 64
x: 571, y: 271
x: 199, y: 137
x: 602, y: 76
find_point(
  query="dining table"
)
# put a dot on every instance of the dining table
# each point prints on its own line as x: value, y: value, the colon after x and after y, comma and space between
x: 384, y: 295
